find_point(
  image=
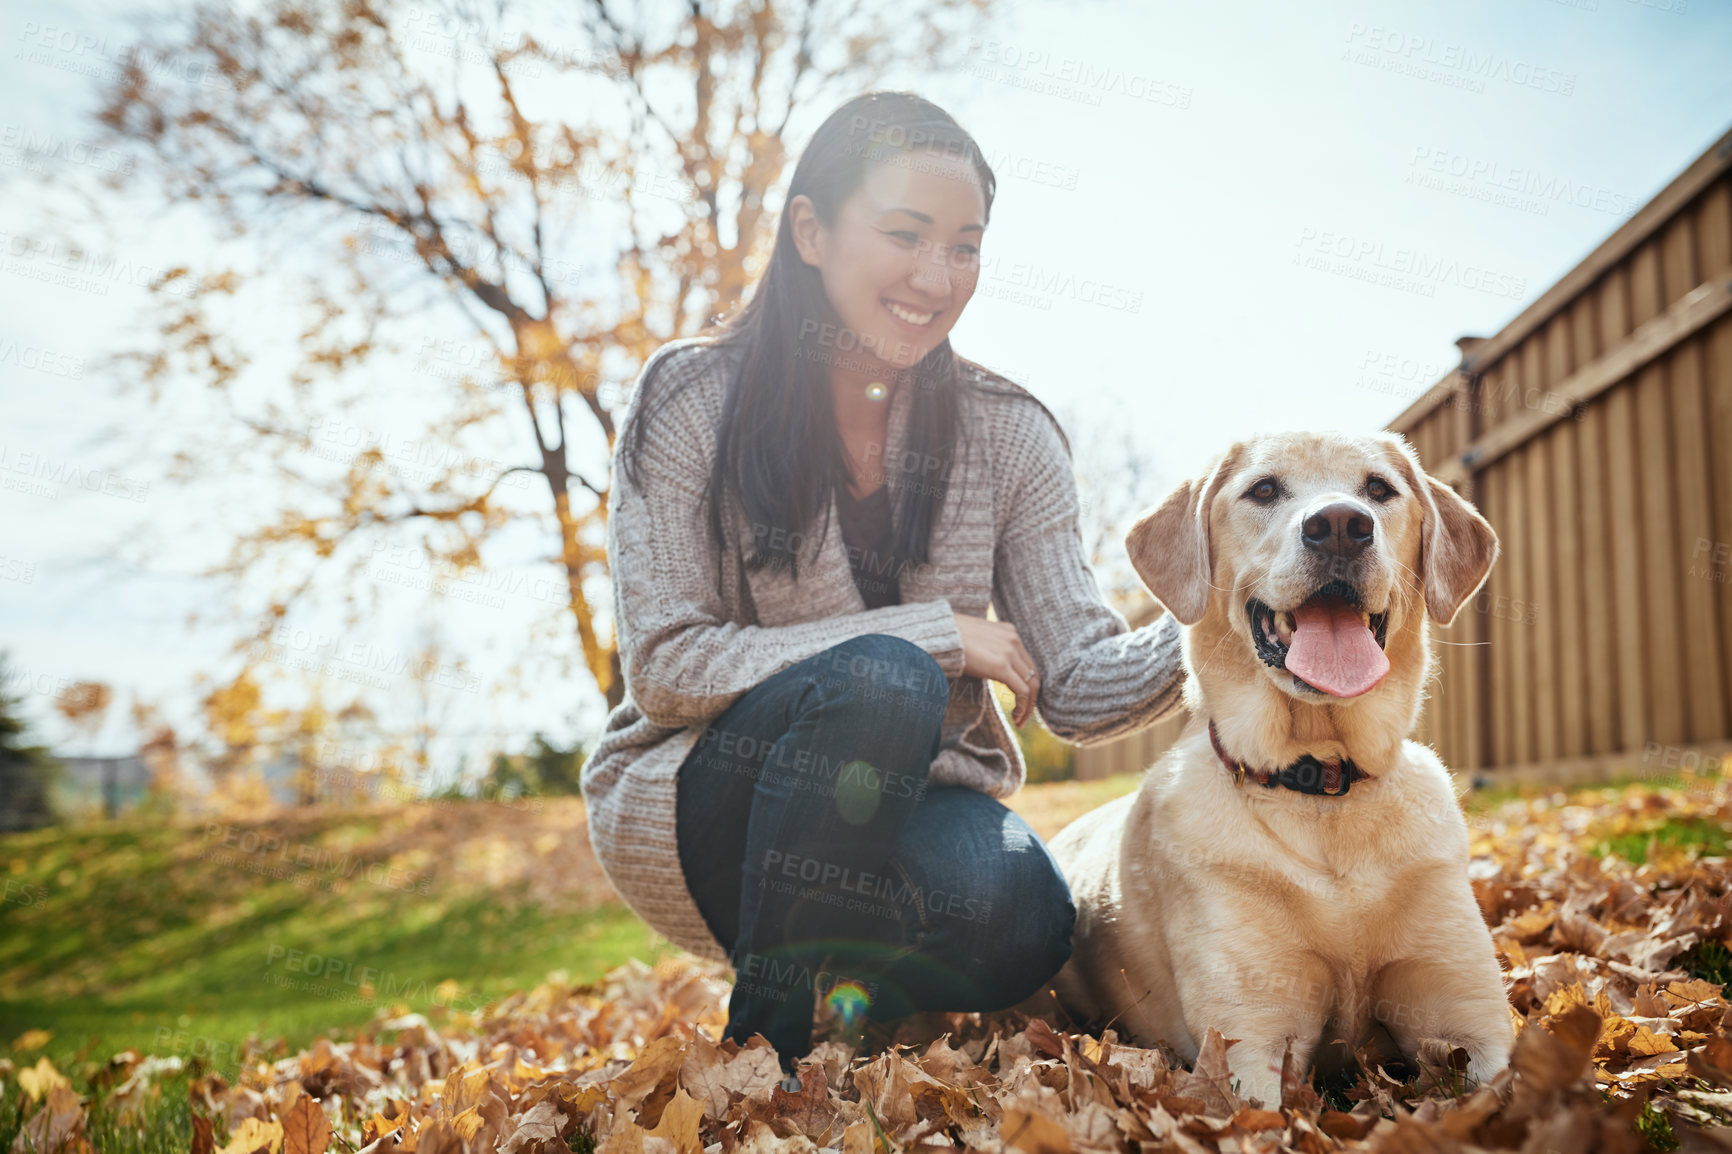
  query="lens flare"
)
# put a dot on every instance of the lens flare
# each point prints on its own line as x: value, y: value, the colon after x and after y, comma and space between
x: 876, y: 391
x: 849, y: 1000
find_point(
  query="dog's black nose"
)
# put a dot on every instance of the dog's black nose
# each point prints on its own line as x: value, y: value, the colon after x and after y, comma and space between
x: 1343, y: 528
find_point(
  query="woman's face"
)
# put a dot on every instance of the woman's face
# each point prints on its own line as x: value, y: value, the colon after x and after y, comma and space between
x: 902, y: 258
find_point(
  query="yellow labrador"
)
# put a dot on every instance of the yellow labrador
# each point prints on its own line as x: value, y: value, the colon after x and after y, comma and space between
x: 1293, y: 867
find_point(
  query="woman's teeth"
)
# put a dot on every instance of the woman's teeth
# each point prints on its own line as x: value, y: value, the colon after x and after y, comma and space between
x: 908, y: 315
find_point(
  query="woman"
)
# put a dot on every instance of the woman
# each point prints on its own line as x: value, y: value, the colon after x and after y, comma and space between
x: 813, y: 507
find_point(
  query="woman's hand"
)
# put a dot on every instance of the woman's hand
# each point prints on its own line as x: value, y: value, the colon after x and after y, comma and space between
x: 993, y: 649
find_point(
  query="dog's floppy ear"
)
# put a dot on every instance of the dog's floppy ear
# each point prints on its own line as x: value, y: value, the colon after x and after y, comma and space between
x: 1169, y: 545
x: 1456, y: 548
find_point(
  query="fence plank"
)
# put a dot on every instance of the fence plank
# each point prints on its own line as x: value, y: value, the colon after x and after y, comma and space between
x: 1598, y: 621
x: 1541, y: 640
x: 1570, y: 623
x: 1500, y: 746
x: 1698, y: 606
x: 1646, y: 292
x: 1720, y: 395
x: 1615, y: 309
x: 1664, y: 648
x: 1714, y: 231
x: 1520, y: 685
x: 1678, y: 257
x: 1624, y: 488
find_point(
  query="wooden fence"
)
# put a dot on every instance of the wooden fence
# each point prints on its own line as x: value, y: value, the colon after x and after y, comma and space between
x: 1595, y: 433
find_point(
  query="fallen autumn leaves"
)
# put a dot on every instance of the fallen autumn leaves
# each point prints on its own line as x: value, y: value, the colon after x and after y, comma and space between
x: 1620, y: 1049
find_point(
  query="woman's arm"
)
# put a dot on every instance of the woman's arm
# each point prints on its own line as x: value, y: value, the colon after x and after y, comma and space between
x: 684, y: 662
x: 1099, y: 678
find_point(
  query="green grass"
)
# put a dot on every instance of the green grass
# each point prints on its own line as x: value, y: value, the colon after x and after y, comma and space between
x: 121, y: 935
x: 1708, y: 837
x: 1494, y: 795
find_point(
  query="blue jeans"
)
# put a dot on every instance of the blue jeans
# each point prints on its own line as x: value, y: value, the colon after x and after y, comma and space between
x: 825, y: 865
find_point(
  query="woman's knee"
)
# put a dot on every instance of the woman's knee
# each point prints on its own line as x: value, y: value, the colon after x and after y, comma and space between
x: 1038, y: 944
x: 884, y: 672
x: 1009, y: 928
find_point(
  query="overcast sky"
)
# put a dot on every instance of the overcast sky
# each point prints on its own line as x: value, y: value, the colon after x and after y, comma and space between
x: 1212, y: 219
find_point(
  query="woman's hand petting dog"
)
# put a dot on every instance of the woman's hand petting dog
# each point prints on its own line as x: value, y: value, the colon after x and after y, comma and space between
x: 994, y: 649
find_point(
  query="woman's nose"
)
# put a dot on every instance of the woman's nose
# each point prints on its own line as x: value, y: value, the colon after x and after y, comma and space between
x: 932, y: 271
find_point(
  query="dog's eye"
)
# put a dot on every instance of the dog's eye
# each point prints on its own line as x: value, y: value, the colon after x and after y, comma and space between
x: 1265, y: 491
x: 1378, y: 489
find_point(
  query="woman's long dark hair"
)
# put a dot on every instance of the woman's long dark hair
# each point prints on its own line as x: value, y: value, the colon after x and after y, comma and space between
x: 777, y: 446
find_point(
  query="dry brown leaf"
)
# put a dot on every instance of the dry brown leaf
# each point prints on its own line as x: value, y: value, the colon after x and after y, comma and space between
x: 679, y: 1123
x: 306, y: 1128
x: 1033, y: 1133
x: 1210, y: 1079
x: 254, y: 1136
x: 58, y: 1126
x: 39, y: 1079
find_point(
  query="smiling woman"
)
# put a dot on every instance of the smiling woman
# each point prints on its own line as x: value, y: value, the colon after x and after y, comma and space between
x: 816, y: 505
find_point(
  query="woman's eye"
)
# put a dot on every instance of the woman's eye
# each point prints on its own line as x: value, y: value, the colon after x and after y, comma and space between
x: 904, y: 236
x: 1265, y: 491
x: 1378, y: 489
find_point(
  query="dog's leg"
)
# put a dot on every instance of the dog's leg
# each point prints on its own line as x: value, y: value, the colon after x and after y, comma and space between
x: 1456, y: 998
x: 1268, y: 995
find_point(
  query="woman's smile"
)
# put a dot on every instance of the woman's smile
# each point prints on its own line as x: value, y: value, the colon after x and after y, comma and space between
x: 911, y: 318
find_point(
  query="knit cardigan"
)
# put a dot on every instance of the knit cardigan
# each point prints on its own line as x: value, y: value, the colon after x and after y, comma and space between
x: 696, y: 630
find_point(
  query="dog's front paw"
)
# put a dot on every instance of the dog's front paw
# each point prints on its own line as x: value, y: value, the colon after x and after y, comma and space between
x: 1456, y: 1068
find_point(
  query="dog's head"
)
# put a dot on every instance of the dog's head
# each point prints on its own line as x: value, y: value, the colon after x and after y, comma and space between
x: 1310, y: 561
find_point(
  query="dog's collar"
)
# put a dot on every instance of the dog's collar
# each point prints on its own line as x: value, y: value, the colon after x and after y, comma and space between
x: 1332, y: 778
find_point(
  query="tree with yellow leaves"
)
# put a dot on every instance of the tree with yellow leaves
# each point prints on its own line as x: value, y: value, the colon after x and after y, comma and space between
x: 559, y: 189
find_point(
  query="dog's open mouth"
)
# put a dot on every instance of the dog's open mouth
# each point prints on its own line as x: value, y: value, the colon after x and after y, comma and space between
x: 1328, y: 642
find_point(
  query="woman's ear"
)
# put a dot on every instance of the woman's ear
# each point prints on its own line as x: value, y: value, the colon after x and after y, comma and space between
x: 807, y: 230
x: 1169, y: 546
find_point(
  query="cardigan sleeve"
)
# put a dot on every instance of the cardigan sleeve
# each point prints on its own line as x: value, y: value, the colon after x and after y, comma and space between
x: 684, y: 662
x: 1099, y: 677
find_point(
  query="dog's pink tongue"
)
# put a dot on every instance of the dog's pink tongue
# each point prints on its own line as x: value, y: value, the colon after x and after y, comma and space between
x: 1333, y: 650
